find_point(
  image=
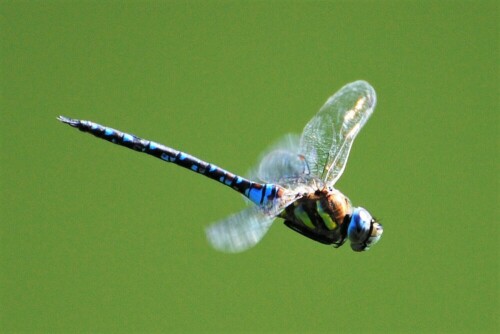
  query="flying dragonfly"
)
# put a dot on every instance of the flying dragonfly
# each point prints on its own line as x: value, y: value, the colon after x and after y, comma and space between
x: 294, y: 181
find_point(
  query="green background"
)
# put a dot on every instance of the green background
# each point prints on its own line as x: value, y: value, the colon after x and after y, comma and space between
x: 96, y: 238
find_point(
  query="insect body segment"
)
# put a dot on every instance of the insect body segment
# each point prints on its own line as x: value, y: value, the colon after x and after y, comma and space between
x: 320, y: 216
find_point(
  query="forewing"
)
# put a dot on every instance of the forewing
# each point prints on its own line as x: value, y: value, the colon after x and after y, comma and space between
x: 240, y: 231
x: 328, y: 137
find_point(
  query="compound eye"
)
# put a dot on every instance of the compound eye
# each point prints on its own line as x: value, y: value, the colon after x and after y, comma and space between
x: 363, y: 230
x: 375, y: 234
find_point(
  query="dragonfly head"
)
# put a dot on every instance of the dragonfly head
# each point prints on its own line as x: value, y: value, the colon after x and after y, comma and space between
x: 363, y: 231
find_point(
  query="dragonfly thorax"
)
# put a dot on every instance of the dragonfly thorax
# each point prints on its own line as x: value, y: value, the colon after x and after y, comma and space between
x: 320, y: 215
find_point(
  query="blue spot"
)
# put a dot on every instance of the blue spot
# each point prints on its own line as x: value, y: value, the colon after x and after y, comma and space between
x: 194, y: 167
x: 221, y: 179
x: 246, y: 192
x: 182, y: 156
x: 269, y: 191
x: 239, y: 179
x: 153, y: 145
x: 255, y: 195
x: 127, y: 137
x: 228, y: 182
x: 109, y: 132
x: 212, y: 168
x: 93, y: 126
x: 359, y: 227
x: 165, y: 157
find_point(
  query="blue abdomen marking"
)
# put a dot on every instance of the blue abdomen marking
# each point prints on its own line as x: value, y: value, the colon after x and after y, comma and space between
x: 255, y: 195
x: 127, y: 137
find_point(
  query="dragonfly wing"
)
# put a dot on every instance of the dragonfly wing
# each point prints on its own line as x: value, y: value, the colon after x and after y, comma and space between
x: 328, y: 137
x: 240, y: 231
x: 246, y: 228
x: 282, y: 163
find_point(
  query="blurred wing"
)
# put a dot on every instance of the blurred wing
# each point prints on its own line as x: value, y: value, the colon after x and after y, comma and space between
x: 246, y: 228
x: 328, y: 137
x: 239, y: 231
x: 282, y: 163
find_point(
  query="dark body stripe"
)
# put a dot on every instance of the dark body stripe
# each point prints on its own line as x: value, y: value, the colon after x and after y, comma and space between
x: 322, y: 216
x: 260, y: 194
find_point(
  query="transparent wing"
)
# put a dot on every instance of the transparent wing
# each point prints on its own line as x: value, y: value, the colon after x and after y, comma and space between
x: 246, y: 228
x: 240, y: 231
x: 328, y: 137
x: 282, y: 163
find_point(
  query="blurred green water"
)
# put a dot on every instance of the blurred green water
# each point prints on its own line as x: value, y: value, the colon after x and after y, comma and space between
x: 95, y: 238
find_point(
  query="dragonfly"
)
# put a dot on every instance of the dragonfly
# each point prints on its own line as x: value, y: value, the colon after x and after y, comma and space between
x: 294, y: 180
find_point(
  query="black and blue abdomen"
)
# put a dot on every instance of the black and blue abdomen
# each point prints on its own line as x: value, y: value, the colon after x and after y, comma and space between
x: 259, y: 193
x: 320, y: 216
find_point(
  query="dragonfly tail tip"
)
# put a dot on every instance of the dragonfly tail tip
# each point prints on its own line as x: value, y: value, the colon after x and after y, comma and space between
x: 67, y: 120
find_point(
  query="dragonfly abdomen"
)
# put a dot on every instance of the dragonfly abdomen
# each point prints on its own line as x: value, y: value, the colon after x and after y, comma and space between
x: 260, y: 194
